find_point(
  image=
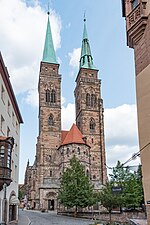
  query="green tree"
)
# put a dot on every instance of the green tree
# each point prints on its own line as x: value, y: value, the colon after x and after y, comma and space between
x: 132, y: 192
x: 76, y: 189
x: 20, y: 194
x: 131, y: 183
x: 108, y: 199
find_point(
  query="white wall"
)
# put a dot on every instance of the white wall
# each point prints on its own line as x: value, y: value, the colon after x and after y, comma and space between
x: 11, y: 122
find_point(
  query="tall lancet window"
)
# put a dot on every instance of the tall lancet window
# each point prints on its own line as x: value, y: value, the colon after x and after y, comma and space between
x: 134, y: 3
x: 51, y: 120
x: 47, y: 95
x: 53, y: 96
x: 93, y: 100
x: 92, y: 125
x: 87, y: 99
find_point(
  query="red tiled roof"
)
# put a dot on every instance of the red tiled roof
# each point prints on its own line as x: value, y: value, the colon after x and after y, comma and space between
x: 73, y: 136
x: 63, y: 135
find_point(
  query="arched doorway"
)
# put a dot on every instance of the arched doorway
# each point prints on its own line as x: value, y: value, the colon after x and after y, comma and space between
x: 51, y: 205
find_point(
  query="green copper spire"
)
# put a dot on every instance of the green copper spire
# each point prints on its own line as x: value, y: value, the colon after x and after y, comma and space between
x: 86, y: 60
x: 49, y: 52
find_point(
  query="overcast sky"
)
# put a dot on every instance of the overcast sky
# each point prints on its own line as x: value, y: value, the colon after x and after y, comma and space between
x: 22, y: 33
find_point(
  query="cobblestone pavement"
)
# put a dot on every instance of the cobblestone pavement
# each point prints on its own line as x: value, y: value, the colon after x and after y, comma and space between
x: 50, y: 218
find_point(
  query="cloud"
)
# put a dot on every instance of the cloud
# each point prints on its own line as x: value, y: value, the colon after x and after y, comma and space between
x: 124, y: 118
x: 22, y: 37
x: 68, y: 116
x: 32, y: 97
x: 74, y: 57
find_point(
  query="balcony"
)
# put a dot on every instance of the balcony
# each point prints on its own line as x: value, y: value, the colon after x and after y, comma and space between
x: 6, y: 145
x: 136, y: 24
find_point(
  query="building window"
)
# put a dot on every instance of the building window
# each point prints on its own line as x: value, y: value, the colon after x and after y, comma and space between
x: 2, y: 124
x: 50, y: 158
x: 47, y: 96
x: 87, y: 173
x: 78, y: 150
x: 68, y: 151
x: 92, y: 125
x: 51, y: 120
x: 8, y: 132
x: 93, y: 100
x: 2, y: 93
x: 53, y: 96
x: 9, y: 108
x: 13, y: 118
x: 94, y: 177
x: 134, y: 3
x: 51, y: 173
x: 17, y: 127
x: 2, y: 149
x: 87, y: 99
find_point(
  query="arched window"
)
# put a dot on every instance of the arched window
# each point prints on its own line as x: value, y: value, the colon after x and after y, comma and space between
x: 51, y: 120
x: 92, y: 125
x: 93, y: 100
x: 47, y: 95
x: 53, y: 96
x: 87, y: 173
x: 94, y: 177
x: 51, y: 173
x: 68, y: 151
x: 87, y: 99
x: 78, y: 150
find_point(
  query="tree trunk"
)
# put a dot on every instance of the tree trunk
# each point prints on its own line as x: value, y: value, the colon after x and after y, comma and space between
x: 75, y: 212
x: 110, y: 217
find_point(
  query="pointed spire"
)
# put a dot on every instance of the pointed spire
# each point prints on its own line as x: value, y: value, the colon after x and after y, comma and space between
x: 86, y: 60
x: 49, y: 52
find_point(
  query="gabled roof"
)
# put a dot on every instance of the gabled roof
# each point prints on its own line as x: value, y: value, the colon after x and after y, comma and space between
x: 63, y: 135
x: 73, y: 136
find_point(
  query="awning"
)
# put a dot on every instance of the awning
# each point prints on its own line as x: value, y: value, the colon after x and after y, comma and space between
x: 14, y: 200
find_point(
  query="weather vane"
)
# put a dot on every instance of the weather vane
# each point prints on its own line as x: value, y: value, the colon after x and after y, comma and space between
x: 84, y: 16
x: 48, y: 3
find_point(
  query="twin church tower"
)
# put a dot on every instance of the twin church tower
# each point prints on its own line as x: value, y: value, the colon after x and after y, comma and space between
x: 55, y: 147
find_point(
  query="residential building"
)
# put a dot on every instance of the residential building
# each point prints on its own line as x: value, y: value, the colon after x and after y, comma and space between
x: 137, y: 14
x: 10, y: 120
x: 55, y: 147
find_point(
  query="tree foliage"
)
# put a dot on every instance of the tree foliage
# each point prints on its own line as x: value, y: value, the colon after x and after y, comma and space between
x: 131, y: 183
x: 76, y: 189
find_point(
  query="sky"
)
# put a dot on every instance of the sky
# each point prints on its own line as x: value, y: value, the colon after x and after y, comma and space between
x: 22, y: 35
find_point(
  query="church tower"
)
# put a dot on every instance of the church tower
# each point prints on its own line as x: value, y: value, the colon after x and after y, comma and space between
x: 137, y: 14
x: 49, y: 138
x: 89, y: 111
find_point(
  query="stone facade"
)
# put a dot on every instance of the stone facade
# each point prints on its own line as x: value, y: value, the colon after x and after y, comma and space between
x: 137, y: 13
x: 55, y: 147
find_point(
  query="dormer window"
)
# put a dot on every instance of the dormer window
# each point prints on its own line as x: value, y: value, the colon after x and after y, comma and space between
x: 134, y: 3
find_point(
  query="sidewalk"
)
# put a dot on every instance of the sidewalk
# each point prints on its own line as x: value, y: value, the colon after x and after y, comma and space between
x: 140, y: 221
x: 23, y: 220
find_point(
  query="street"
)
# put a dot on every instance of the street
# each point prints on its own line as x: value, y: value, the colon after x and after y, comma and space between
x: 50, y: 218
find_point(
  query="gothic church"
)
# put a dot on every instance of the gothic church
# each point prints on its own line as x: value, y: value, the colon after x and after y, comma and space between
x: 55, y: 147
